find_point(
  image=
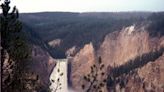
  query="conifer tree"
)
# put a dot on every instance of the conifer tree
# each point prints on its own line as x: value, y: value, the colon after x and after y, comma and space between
x: 15, y: 46
x: 96, y: 78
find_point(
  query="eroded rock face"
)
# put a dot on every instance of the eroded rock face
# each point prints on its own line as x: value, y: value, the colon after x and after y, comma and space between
x: 124, y: 47
x: 148, y: 78
x: 71, y: 51
x: 35, y: 73
x: 81, y: 65
x: 42, y: 64
x: 130, y: 42
x: 152, y: 75
x: 119, y: 48
x: 55, y: 43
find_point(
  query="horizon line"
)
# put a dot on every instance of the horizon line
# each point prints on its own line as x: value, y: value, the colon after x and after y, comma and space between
x: 95, y: 12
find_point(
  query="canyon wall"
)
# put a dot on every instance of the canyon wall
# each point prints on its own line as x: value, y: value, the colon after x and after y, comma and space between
x: 130, y: 42
x: 42, y: 64
x: 81, y: 65
x: 119, y: 48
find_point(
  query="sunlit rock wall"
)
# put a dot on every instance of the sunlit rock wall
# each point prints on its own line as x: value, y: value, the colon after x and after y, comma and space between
x: 121, y: 46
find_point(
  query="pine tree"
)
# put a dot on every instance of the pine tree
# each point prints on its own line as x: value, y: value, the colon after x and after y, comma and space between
x: 93, y: 78
x: 15, y: 46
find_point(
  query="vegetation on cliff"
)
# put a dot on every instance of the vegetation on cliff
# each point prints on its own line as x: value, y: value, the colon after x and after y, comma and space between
x: 16, y: 53
x: 120, y: 75
x: 96, y: 78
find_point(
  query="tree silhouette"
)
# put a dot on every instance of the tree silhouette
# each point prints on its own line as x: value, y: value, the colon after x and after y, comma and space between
x: 15, y: 46
x: 57, y: 82
x: 96, y: 78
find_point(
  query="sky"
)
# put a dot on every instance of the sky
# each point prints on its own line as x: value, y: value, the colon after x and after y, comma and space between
x: 26, y: 6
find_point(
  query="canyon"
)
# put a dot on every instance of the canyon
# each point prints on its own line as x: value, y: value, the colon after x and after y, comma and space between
x: 130, y: 45
x: 125, y: 52
x: 120, y: 48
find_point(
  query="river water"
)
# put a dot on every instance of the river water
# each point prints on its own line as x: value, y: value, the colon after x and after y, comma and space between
x: 59, y: 75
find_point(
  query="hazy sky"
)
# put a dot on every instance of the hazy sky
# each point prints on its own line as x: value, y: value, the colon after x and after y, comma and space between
x: 88, y: 5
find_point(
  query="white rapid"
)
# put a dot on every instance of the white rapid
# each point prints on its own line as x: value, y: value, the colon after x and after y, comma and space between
x: 58, y: 77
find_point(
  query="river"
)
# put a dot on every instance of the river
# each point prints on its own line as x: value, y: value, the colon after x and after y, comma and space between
x: 58, y: 77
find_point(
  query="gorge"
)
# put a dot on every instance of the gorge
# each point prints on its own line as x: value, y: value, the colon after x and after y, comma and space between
x: 66, y: 45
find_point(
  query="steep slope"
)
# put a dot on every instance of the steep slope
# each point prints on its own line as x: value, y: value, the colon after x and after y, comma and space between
x: 140, y: 75
x: 132, y: 43
x: 81, y: 64
x: 152, y: 75
x: 130, y: 53
x: 41, y: 64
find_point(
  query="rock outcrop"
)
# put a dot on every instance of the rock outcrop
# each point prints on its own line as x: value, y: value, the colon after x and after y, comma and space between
x: 152, y: 75
x: 35, y: 73
x: 81, y: 65
x: 122, y: 47
x: 134, y: 47
x: 130, y: 42
x: 148, y: 78
x: 42, y: 64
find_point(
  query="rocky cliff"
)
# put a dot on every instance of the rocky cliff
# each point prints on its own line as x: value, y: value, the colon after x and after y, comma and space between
x: 121, y: 48
x: 130, y: 42
x: 41, y: 64
x: 34, y: 74
x: 81, y: 64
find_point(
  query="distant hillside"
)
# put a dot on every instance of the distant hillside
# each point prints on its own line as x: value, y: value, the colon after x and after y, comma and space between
x: 65, y: 30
